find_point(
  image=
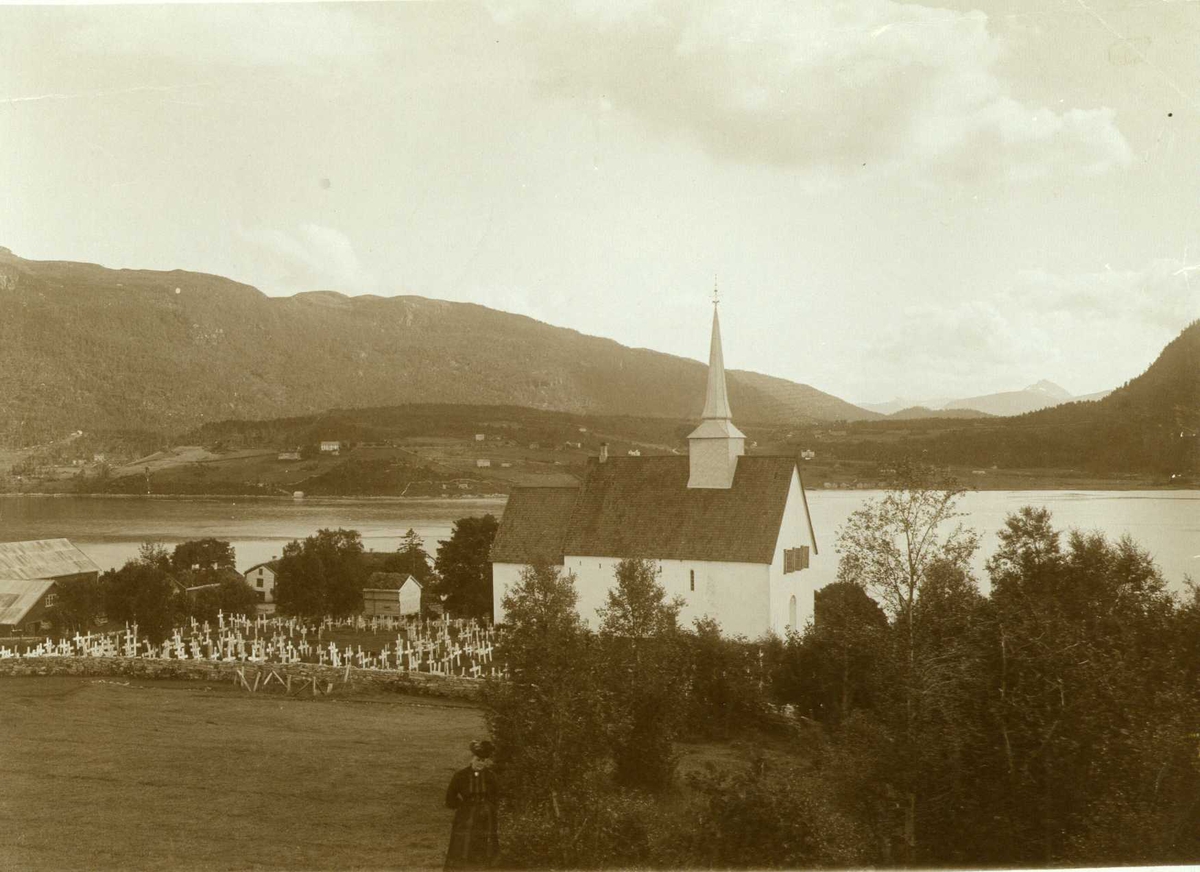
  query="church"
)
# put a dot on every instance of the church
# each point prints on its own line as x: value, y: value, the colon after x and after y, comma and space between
x: 729, y: 532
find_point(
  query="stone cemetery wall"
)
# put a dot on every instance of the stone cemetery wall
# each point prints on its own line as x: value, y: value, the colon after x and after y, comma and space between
x: 301, y: 674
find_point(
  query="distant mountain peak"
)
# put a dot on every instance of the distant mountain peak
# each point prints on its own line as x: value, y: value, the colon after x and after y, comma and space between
x: 1050, y: 389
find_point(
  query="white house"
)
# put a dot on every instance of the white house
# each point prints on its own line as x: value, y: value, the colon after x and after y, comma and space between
x: 261, y: 578
x: 730, y: 534
x: 330, y: 446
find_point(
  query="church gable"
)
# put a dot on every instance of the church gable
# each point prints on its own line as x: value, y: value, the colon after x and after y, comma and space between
x: 643, y: 508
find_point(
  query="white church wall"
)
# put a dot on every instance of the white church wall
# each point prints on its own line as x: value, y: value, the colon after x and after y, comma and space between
x: 736, y: 594
x: 504, y: 577
x: 793, y: 533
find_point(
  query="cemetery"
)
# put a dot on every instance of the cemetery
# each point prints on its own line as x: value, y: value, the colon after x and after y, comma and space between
x: 442, y: 657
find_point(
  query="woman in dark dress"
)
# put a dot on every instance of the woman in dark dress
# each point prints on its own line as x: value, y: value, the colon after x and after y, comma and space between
x: 473, y: 794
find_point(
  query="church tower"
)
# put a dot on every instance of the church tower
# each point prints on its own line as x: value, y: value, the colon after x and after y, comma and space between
x: 715, y: 446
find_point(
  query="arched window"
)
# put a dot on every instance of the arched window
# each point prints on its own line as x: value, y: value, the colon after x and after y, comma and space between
x: 792, y: 613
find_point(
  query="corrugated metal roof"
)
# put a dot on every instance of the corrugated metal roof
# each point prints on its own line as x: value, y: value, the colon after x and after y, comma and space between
x: 43, y: 558
x: 18, y: 596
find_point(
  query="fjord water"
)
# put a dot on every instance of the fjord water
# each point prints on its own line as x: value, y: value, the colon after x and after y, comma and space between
x: 109, y: 530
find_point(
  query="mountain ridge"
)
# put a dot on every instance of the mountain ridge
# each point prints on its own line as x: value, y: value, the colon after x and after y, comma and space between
x: 83, y: 346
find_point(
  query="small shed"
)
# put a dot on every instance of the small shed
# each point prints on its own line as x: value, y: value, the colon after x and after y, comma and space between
x: 391, y: 595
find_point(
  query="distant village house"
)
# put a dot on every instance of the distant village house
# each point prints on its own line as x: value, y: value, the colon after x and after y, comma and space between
x: 261, y: 579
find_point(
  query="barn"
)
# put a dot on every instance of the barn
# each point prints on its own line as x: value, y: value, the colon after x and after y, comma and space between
x: 30, y: 573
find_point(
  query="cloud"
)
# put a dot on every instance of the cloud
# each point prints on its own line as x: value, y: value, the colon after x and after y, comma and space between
x: 268, y: 35
x: 312, y: 257
x: 1087, y: 331
x: 813, y: 84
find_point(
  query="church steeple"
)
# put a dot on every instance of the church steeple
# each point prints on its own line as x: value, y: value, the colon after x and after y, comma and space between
x: 716, y: 401
x: 715, y: 446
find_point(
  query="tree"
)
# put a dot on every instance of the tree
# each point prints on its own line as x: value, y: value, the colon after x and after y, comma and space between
x: 901, y: 548
x: 642, y: 650
x: 152, y: 553
x: 545, y: 716
x: 841, y: 655
x: 77, y: 604
x: 203, y: 555
x: 411, y: 558
x: 226, y: 591
x: 723, y: 687
x: 1091, y: 704
x: 464, y: 567
x: 142, y: 592
x: 322, y: 575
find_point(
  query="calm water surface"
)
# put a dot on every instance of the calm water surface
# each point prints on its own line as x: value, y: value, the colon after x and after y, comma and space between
x: 1166, y: 523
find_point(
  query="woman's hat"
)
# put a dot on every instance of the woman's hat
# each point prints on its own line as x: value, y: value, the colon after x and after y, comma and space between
x: 483, y: 750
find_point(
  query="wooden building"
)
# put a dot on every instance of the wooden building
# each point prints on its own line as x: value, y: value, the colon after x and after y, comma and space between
x: 30, y: 573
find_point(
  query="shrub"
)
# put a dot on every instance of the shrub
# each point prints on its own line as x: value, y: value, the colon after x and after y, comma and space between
x: 774, y: 815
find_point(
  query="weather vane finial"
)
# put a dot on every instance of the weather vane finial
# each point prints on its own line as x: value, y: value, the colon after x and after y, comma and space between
x: 716, y: 293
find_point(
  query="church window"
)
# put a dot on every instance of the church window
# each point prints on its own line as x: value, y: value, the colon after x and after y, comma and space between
x: 692, y: 573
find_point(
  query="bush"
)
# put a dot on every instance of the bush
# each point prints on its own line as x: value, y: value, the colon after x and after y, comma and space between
x: 725, y: 694
x: 594, y: 826
x: 774, y: 815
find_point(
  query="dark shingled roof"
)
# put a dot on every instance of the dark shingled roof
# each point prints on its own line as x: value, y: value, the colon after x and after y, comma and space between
x: 642, y: 507
x: 533, y: 525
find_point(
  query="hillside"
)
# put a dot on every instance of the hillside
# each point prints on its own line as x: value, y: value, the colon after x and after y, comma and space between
x: 1148, y: 427
x: 83, y: 347
x: 917, y: 412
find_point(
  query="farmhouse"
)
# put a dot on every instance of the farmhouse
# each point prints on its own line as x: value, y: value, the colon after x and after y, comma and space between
x: 330, y: 446
x: 730, y: 533
x: 261, y: 578
x: 29, y: 575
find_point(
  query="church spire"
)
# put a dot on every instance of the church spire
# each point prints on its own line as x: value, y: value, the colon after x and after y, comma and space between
x: 716, y: 401
x: 714, y: 446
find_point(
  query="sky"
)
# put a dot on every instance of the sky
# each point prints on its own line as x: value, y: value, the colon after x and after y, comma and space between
x: 896, y: 199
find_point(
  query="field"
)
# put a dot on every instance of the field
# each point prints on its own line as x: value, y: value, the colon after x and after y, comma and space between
x: 117, y: 774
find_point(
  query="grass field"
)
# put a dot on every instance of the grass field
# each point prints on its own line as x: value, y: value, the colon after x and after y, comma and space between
x: 104, y: 774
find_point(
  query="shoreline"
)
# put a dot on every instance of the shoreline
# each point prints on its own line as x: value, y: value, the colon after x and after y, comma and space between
x: 496, y: 499
x: 266, y: 498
